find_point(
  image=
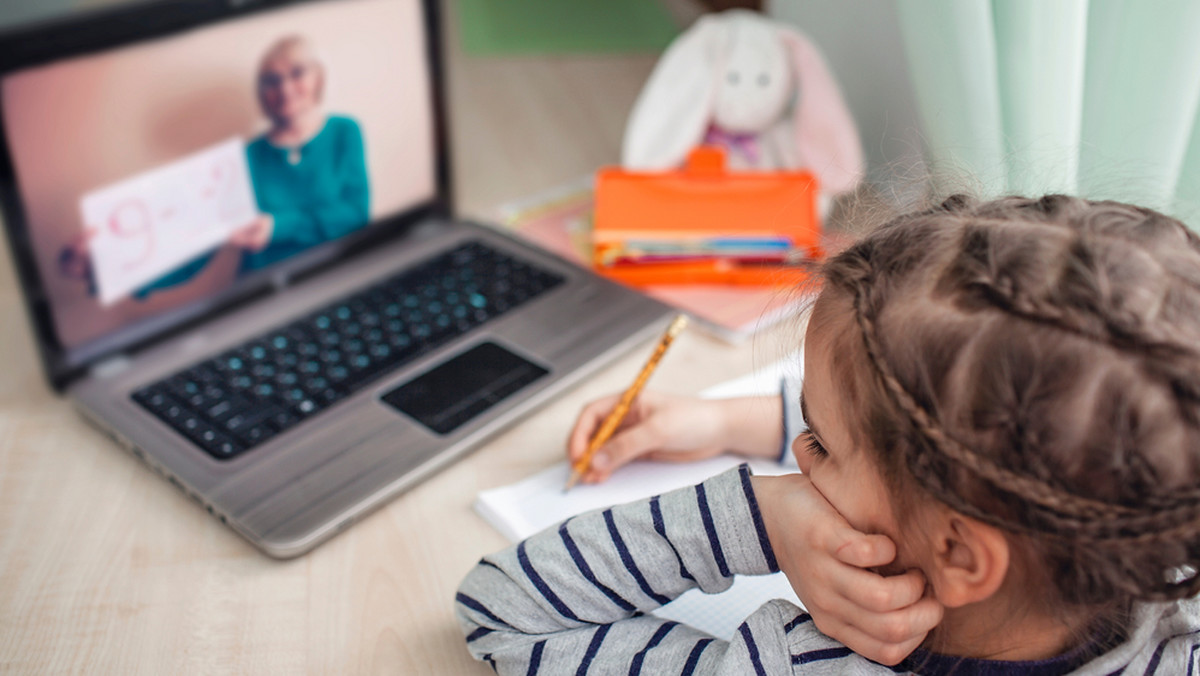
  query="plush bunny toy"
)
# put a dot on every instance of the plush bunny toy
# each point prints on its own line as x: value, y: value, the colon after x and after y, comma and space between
x: 760, y: 89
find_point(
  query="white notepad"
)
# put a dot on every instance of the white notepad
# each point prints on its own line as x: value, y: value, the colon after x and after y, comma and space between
x: 521, y: 509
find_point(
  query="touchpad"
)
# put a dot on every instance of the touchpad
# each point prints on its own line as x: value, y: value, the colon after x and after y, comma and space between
x: 453, y: 392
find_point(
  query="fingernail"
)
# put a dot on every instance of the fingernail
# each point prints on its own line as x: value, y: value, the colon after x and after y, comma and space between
x: 600, y: 461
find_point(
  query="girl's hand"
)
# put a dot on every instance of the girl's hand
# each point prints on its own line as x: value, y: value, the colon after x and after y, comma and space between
x: 657, y: 427
x: 255, y: 236
x: 827, y: 562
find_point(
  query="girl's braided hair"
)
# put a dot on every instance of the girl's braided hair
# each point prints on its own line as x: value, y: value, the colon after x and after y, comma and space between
x: 1035, y: 364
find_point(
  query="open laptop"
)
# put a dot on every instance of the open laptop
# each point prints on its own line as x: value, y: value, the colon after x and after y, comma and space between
x: 231, y: 223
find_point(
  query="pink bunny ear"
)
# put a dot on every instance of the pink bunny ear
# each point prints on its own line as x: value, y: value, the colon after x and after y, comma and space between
x: 826, y: 137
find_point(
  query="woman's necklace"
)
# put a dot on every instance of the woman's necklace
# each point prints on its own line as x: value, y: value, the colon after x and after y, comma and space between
x: 293, y: 152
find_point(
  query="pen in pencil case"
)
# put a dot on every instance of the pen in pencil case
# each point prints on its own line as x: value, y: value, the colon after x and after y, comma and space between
x: 613, y: 421
x: 711, y: 244
x: 723, y: 272
x: 732, y: 248
x: 740, y: 259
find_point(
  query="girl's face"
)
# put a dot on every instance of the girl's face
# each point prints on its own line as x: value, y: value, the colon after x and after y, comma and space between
x: 289, y: 85
x: 845, y: 474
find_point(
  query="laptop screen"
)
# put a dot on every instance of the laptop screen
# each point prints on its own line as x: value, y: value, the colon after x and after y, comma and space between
x: 167, y: 174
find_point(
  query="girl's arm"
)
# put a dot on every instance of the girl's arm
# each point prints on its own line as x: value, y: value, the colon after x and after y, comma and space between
x: 576, y: 596
x: 826, y: 560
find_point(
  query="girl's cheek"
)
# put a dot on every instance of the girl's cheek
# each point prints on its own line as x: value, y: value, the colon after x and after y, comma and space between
x: 803, y: 457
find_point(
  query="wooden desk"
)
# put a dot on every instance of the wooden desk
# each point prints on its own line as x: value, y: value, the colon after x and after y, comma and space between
x: 106, y: 568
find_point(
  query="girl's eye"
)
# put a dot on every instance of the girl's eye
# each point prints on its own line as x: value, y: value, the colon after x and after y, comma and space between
x: 814, y: 447
x: 733, y: 78
x: 764, y: 80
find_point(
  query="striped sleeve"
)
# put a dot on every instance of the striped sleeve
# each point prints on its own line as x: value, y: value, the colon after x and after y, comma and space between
x: 577, y: 597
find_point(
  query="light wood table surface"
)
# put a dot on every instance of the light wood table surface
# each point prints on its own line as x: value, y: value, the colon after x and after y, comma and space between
x: 105, y: 568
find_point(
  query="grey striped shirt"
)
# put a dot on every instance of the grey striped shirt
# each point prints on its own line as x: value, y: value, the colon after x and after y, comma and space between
x: 575, y: 599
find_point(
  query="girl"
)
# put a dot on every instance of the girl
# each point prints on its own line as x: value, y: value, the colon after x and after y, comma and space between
x: 1008, y: 391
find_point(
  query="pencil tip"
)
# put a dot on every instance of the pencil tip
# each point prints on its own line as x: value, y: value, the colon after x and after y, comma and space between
x: 571, y: 481
x: 679, y: 323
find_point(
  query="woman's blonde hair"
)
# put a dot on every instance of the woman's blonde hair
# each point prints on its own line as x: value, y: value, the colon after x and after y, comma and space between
x: 1035, y: 364
x: 289, y: 43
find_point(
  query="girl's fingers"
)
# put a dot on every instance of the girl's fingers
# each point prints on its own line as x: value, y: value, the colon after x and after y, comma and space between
x: 899, y: 627
x: 878, y: 594
x: 625, y: 446
x: 585, y: 426
x: 885, y: 652
x: 831, y: 532
x: 861, y: 550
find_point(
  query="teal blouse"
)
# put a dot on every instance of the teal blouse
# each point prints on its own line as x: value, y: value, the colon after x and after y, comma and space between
x: 321, y: 197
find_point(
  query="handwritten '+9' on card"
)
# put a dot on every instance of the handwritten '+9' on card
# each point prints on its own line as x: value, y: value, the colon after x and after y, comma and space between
x: 145, y: 226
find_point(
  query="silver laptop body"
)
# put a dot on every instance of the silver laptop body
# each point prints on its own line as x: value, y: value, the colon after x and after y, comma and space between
x: 311, y: 481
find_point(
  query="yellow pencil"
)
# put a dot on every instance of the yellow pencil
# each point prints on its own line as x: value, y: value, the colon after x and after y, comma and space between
x: 619, y: 411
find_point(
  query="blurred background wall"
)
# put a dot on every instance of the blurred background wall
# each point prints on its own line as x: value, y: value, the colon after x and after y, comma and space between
x: 862, y: 43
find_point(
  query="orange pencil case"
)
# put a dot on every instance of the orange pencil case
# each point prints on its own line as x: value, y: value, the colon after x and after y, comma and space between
x: 640, y: 214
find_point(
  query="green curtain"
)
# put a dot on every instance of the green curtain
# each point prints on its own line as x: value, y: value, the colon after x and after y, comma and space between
x: 1098, y: 98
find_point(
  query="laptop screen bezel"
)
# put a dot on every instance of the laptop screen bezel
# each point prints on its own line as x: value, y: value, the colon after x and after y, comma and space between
x: 87, y: 32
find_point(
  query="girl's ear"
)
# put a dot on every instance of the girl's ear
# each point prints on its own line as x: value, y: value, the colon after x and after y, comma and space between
x: 825, y: 135
x: 970, y: 560
x: 673, y: 111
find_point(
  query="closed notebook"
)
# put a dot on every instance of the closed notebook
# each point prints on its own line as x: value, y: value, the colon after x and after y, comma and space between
x: 528, y: 506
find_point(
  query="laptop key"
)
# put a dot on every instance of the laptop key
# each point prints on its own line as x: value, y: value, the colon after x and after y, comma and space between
x: 185, y: 386
x: 287, y: 378
x: 256, y: 434
x: 226, y: 409
x: 282, y: 419
x: 238, y: 422
x: 251, y: 417
x: 326, y: 396
x: 220, y: 410
x: 152, y: 398
x: 213, y: 441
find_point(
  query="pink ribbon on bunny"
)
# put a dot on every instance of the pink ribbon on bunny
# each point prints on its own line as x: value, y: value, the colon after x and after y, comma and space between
x: 753, y: 85
x: 745, y: 145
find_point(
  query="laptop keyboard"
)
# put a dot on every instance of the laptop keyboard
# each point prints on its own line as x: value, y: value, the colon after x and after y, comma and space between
x: 245, y: 396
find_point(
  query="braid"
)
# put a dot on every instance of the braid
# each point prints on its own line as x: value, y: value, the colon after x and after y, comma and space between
x: 1076, y: 516
x: 1079, y: 286
x: 1082, y: 304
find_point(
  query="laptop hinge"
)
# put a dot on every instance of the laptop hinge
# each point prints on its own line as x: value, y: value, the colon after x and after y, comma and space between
x: 110, y: 367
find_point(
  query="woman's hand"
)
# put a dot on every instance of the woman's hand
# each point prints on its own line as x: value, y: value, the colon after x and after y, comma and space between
x: 658, y: 427
x: 255, y: 236
x: 74, y: 259
x: 827, y: 561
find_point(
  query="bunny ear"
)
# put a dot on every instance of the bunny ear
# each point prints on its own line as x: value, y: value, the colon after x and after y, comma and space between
x: 672, y: 113
x: 825, y: 135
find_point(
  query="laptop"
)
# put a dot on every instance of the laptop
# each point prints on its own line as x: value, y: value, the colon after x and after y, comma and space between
x: 231, y: 223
